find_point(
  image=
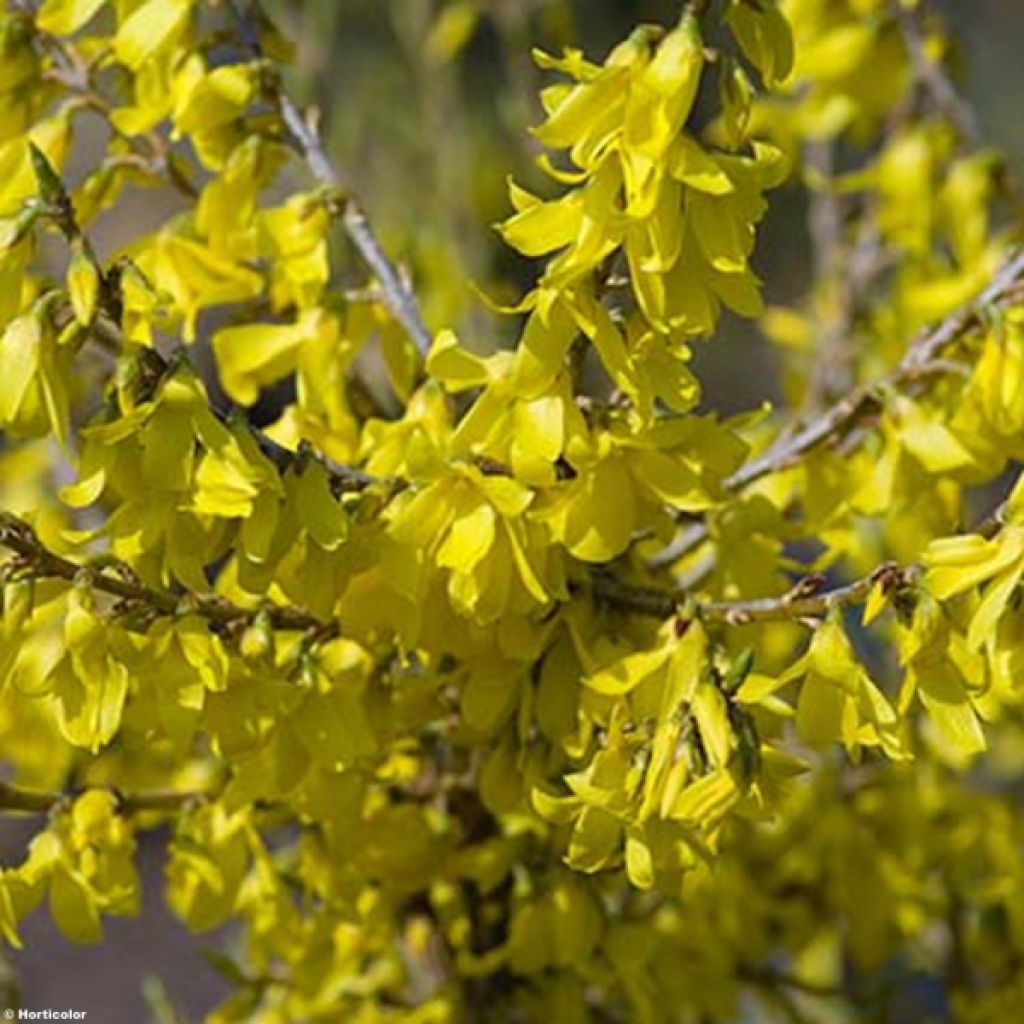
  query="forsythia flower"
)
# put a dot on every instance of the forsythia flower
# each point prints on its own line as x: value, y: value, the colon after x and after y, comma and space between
x: 684, y: 216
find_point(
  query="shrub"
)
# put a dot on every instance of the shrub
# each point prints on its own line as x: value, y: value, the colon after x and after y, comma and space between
x: 513, y: 684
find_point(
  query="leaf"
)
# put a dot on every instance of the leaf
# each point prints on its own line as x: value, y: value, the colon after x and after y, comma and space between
x: 765, y: 37
x: 51, y: 188
x: 19, y: 363
x: 671, y: 480
x: 639, y: 863
x: 706, y: 801
x: 469, y: 539
x: 227, y: 968
x: 625, y: 675
x: 819, y: 711
x: 539, y: 436
x: 334, y: 728
x: 595, y: 840
x: 225, y: 485
x: 255, y: 356
x: 698, y: 169
x: 543, y: 228
x: 945, y: 698
x: 65, y: 17
x: 73, y: 909
x: 956, y: 564
x: 83, y: 287
x: 602, y: 512
x: 712, y: 714
x: 150, y: 28
x: 319, y: 511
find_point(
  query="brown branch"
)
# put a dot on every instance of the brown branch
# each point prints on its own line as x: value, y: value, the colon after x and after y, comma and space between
x: 397, y: 295
x: 807, y: 601
x: 30, y: 801
x: 343, y: 477
x: 797, y: 605
x: 861, y: 403
x: 107, y: 332
x: 152, y: 152
x: 118, y: 580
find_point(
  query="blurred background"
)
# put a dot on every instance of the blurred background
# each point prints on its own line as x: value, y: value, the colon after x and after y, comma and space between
x: 426, y: 106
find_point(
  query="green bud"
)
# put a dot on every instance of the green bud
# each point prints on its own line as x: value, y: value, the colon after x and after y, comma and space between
x: 51, y: 188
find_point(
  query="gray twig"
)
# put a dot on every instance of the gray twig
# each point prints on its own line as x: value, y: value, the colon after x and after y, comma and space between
x: 397, y: 295
x: 934, y: 79
x: 849, y: 410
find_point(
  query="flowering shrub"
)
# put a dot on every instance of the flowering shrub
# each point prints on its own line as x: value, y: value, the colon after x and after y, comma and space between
x: 512, y: 684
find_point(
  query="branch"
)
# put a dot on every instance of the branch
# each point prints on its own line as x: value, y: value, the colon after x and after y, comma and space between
x: 151, y: 150
x: 805, y: 602
x: 843, y: 270
x: 343, y: 477
x: 914, y: 365
x: 398, y: 296
x: 106, y: 330
x: 826, y: 209
x: 864, y: 401
x: 934, y: 79
x: 118, y: 579
x: 29, y: 801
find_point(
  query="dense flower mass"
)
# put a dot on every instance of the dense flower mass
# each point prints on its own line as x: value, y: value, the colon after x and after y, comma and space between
x: 513, y: 684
